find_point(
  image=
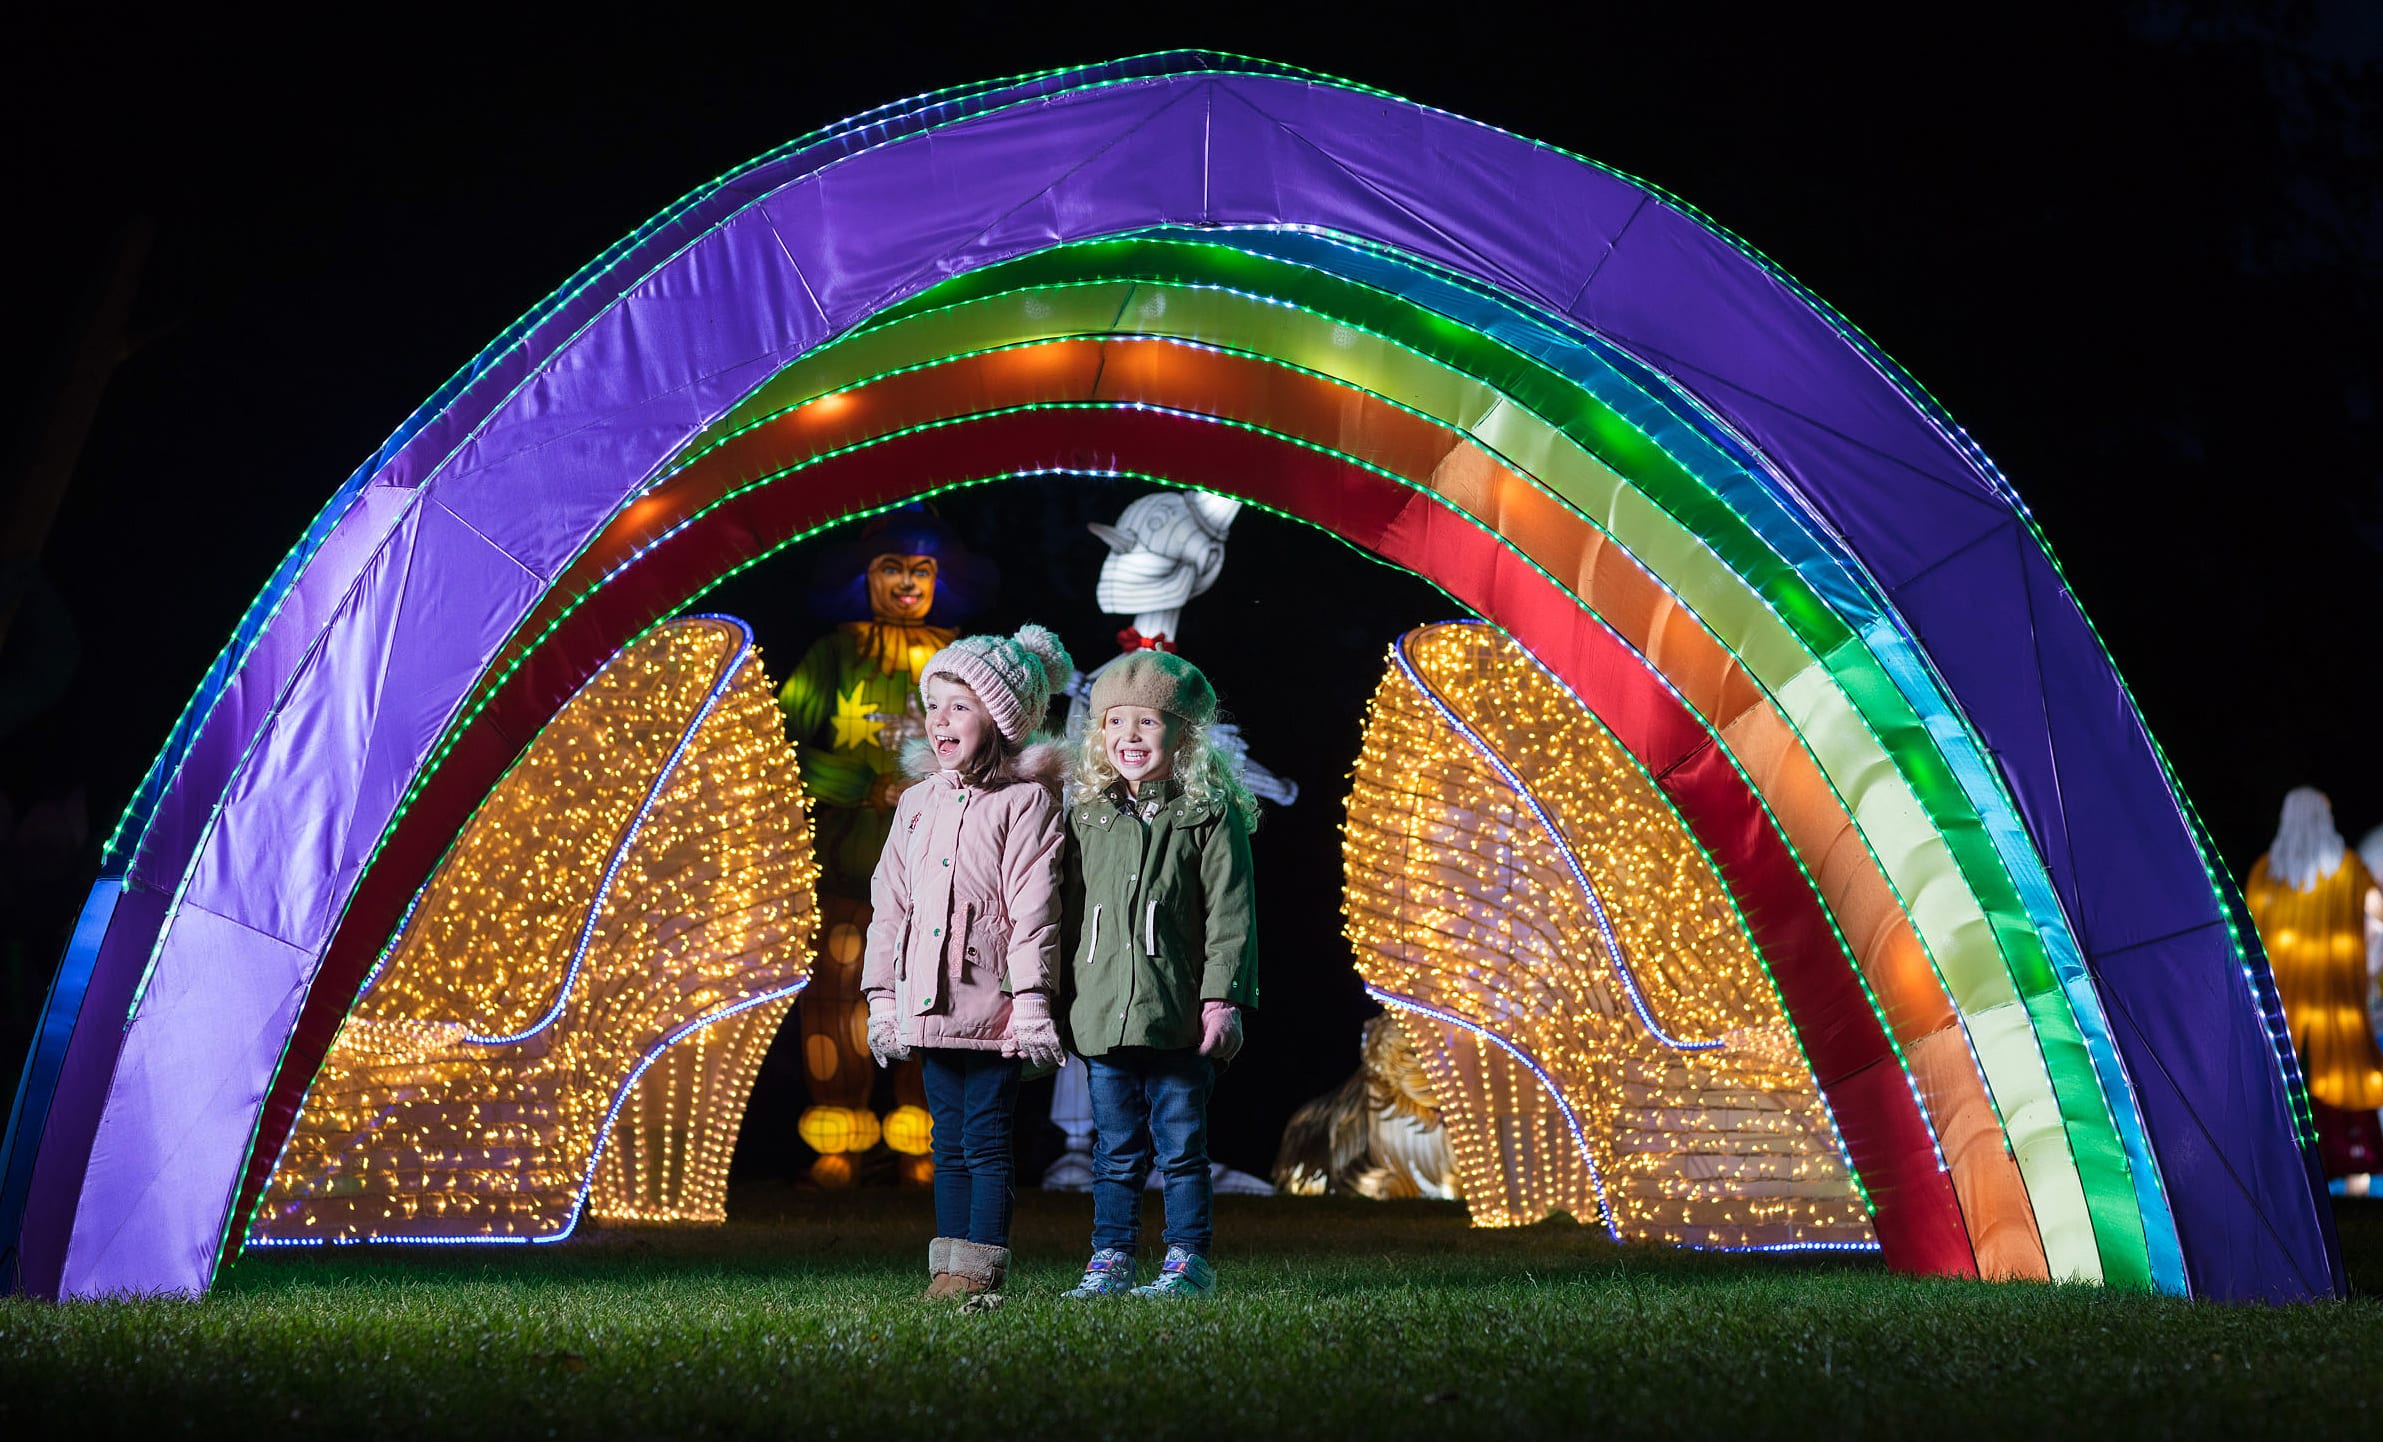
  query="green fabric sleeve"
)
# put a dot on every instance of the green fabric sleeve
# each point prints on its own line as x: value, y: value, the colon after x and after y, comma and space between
x: 1071, y: 907
x: 1227, y: 876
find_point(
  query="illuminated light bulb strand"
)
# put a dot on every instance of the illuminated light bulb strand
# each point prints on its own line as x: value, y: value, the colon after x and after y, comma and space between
x: 1580, y: 878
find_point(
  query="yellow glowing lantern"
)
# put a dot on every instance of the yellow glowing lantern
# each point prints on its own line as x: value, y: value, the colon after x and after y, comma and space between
x: 837, y: 1129
x: 910, y: 1131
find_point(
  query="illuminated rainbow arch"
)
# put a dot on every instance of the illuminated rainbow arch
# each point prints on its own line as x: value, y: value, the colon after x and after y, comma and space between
x: 1779, y: 575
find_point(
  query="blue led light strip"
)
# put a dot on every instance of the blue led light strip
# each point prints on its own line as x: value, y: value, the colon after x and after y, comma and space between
x: 380, y: 963
x: 579, y: 1202
x: 1579, y: 1139
x: 1588, y: 893
x: 1821, y: 1093
x: 620, y: 851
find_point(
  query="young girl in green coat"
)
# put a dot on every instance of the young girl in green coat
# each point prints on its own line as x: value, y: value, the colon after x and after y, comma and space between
x: 1162, y: 948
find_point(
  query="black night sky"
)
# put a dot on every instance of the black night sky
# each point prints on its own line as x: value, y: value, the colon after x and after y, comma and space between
x: 2184, y: 202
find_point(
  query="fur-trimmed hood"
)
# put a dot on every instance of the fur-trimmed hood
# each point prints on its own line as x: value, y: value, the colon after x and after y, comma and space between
x: 1042, y: 761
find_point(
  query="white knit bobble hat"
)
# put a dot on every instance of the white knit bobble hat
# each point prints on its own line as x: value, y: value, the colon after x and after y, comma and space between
x: 1013, y: 675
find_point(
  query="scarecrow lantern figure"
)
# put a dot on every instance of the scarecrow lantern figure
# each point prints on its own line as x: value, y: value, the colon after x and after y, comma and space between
x: 851, y: 705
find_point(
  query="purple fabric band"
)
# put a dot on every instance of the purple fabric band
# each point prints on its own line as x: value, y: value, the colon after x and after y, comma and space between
x: 278, y: 810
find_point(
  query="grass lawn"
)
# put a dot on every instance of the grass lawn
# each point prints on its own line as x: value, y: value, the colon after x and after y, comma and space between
x: 1338, y: 1319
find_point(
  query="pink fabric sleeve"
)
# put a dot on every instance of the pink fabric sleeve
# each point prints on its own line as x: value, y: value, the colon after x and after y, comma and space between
x: 889, y: 900
x: 1030, y: 876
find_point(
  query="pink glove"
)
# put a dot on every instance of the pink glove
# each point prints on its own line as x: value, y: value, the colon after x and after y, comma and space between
x: 885, y: 1038
x: 1032, y: 1037
x: 1220, y: 1031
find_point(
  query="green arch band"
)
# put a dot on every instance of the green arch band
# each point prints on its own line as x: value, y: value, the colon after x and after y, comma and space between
x: 2012, y: 865
x: 1206, y: 315
x: 1066, y: 308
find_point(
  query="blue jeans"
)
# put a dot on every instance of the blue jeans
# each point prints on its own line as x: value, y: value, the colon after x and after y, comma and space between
x: 971, y: 1095
x: 1151, y: 1107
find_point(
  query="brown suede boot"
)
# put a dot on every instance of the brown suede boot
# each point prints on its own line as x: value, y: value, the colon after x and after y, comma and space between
x: 976, y: 1268
x: 939, y: 1269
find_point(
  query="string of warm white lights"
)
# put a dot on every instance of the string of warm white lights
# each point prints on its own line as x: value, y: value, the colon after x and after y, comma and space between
x: 579, y: 999
x: 1551, y: 1030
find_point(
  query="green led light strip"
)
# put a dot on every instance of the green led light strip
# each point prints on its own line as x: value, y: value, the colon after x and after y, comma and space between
x: 1192, y: 313
x: 1343, y: 457
x: 2089, y: 1113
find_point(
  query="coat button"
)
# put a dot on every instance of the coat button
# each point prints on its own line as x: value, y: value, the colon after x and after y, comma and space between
x: 947, y: 861
x: 938, y: 931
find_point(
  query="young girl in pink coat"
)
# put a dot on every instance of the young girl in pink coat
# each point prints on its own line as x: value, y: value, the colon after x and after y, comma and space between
x: 964, y: 946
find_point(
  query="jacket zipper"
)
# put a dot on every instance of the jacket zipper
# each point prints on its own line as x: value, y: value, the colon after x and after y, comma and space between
x: 1150, y: 929
x: 1092, y: 946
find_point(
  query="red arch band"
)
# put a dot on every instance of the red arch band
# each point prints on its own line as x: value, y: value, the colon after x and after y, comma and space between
x: 1917, y: 1218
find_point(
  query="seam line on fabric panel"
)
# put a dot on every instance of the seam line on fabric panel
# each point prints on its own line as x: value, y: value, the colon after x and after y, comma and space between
x: 2106, y: 953
x: 2035, y: 657
x: 307, y: 659
x: 311, y: 544
x: 1372, y: 188
x: 1680, y: 366
x: 906, y: 286
x: 2008, y: 523
x: 1580, y: 1141
x: 1612, y: 248
x: 2224, y: 1161
x: 256, y: 1123
x: 796, y: 266
x: 2147, y: 1177
x: 372, y: 974
x: 307, y: 543
x: 1207, y: 148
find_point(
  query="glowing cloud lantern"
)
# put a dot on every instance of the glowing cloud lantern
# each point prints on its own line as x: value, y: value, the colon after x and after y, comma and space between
x: 585, y: 988
x: 1873, y: 735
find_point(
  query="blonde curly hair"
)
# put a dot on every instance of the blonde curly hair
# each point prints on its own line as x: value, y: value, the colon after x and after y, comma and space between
x: 1207, y: 774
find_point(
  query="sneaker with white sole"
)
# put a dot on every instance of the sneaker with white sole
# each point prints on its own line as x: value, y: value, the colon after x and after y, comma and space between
x: 1185, y: 1273
x: 1110, y: 1273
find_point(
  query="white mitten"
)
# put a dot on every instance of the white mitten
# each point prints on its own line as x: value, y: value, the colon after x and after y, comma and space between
x: 885, y: 1039
x: 1033, y: 1037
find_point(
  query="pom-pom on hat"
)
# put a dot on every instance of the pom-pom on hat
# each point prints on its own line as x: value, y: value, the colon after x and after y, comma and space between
x: 1013, y: 675
x: 1160, y: 680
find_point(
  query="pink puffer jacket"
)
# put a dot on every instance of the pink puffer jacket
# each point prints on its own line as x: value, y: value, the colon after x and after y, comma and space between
x: 967, y: 902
